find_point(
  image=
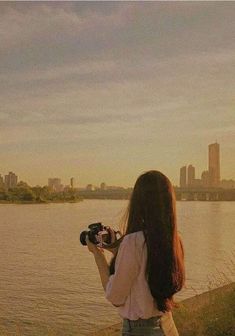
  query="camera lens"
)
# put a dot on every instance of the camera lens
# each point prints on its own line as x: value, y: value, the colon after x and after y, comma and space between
x: 83, y: 237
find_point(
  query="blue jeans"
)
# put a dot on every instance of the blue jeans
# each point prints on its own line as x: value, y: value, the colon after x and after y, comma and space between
x: 150, y: 327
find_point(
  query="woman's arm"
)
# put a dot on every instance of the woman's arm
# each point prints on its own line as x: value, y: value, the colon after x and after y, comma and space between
x: 127, y: 267
x: 101, y: 262
x: 118, y: 285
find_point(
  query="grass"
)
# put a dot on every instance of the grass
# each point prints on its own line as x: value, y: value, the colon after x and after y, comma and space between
x: 208, y: 314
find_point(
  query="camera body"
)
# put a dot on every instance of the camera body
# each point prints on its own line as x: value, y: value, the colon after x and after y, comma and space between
x: 97, y: 234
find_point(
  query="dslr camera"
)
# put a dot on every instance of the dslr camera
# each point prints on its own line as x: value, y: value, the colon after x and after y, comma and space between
x: 98, y: 234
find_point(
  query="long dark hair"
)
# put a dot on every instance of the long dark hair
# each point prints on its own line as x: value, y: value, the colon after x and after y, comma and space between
x: 152, y: 209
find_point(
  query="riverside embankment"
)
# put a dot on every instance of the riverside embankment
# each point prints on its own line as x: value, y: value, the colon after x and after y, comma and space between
x: 209, y: 314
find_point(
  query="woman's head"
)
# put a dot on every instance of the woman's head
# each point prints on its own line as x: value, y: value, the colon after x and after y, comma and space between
x: 152, y: 203
x: 152, y: 210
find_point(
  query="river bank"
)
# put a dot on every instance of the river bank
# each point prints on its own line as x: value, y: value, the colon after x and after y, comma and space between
x: 209, y: 314
x: 42, y: 202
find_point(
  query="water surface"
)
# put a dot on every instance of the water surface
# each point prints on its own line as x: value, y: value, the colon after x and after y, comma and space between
x: 49, y: 284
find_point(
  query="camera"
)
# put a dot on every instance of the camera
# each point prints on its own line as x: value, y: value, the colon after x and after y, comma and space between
x: 97, y: 234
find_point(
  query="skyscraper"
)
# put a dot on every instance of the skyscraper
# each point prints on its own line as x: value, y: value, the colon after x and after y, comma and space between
x: 191, y: 175
x: 205, y: 178
x: 214, y: 164
x: 183, y: 177
x: 11, y: 180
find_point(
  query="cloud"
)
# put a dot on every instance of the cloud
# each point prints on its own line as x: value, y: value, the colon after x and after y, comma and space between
x: 88, y: 75
x: 76, y: 32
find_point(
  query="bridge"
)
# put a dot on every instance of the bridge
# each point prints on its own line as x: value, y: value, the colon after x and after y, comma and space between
x: 204, y: 194
x: 182, y: 194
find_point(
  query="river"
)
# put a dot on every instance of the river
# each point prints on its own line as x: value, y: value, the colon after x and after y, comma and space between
x: 49, y: 284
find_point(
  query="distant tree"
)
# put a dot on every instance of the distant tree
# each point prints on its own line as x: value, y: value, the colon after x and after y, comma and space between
x: 28, y: 195
x: 3, y: 195
x: 21, y: 193
x: 24, y: 193
x: 22, y: 184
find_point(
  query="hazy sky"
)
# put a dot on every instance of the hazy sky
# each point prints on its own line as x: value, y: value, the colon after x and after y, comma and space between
x: 103, y: 91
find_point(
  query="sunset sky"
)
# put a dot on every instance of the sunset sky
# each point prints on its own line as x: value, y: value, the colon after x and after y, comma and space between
x: 103, y: 91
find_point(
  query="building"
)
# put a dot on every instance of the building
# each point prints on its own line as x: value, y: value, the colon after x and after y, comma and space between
x: 191, y: 175
x: 227, y: 184
x: 10, y: 180
x: 114, y: 188
x: 90, y: 187
x: 214, y: 164
x: 55, y: 184
x: 183, y: 177
x: 1, y: 182
x: 197, y: 183
x: 205, y: 178
x: 72, y: 182
x: 67, y: 188
x: 103, y: 186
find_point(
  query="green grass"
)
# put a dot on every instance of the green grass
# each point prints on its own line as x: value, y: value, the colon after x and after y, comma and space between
x: 209, y: 314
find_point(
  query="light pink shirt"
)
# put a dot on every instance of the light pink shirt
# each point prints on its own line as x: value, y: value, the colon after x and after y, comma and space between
x: 127, y: 288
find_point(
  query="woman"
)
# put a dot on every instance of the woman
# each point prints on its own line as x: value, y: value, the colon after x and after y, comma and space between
x: 148, y: 267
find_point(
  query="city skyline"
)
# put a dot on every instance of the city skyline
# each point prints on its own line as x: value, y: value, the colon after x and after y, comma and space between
x: 209, y: 177
x: 187, y: 178
x: 106, y: 91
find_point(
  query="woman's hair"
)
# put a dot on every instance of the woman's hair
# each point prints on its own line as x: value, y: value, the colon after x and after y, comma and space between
x: 152, y: 209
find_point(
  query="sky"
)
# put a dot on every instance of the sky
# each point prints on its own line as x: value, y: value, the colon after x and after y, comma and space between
x: 103, y: 91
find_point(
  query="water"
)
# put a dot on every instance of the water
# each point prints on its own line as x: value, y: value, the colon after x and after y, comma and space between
x: 49, y: 284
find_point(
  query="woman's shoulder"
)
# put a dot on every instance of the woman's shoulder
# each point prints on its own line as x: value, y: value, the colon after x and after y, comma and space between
x: 133, y: 244
x: 134, y: 237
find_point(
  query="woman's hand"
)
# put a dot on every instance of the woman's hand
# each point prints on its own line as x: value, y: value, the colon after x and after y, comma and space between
x: 112, y: 247
x: 92, y: 247
x: 101, y: 262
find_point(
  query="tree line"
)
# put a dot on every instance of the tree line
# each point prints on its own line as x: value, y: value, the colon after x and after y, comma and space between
x: 23, y: 193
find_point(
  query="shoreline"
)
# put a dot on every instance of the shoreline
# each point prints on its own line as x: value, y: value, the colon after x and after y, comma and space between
x: 32, y: 202
x: 100, y: 199
x: 197, y: 315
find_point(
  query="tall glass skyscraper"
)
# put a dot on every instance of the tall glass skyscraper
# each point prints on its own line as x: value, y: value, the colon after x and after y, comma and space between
x: 214, y: 164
